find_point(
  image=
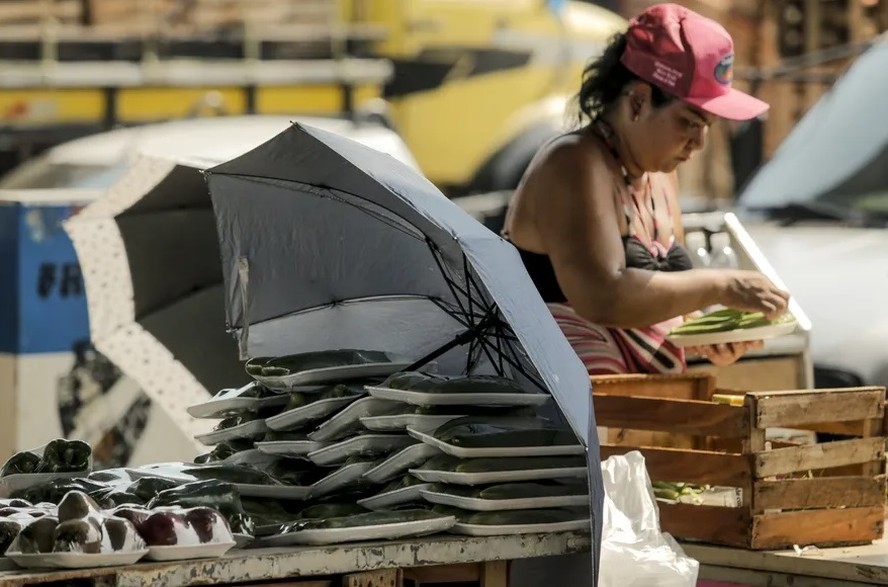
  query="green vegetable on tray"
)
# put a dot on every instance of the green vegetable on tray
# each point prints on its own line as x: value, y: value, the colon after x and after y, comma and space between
x: 725, y: 320
x: 675, y: 490
x: 285, y: 436
x: 515, y: 490
x: 368, y: 519
x: 223, y: 450
x: 241, y: 474
x: 498, y: 464
x: 62, y: 455
x: 495, y: 411
x: 415, y: 381
x: 402, y: 482
x: 480, y: 432
x: 300, y: 399
x: 521, y: 517
x: 331, y: 510
x: 291, y: 364
x: 21, y: 463
x: 59, y: 456
x: 54, y: 490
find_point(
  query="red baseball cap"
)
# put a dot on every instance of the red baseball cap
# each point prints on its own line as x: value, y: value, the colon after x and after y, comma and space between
x: 689, y: 56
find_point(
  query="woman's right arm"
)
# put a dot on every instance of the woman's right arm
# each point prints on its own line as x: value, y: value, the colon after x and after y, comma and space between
x: 576, y: 220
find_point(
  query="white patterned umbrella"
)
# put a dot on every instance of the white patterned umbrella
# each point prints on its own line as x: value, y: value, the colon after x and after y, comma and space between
x: 149, y: 255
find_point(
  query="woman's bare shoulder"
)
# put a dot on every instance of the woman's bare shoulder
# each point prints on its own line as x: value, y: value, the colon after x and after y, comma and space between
x: 567, y: 162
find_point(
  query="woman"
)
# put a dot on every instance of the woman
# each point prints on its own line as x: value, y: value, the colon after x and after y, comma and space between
x: 596, y: 216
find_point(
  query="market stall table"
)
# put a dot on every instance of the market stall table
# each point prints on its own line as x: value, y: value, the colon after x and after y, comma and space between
x: 852, y: 566
x: 249, y: 565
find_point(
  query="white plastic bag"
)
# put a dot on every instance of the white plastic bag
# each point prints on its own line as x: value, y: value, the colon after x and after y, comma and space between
x: 634, y: 552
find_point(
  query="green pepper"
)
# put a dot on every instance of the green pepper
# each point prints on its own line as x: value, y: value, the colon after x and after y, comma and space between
x: 475, y: 432
x: 223, y: 450
x: 402, y: 482
x: 21, y: 463
x: 111, y: 497
x: 293, y: 471
x: 331, y: 510
x: 146, y: 488
x: 9, y: 530
x: 232, y: 474
x: 321, y: 359
x: 62, y: 455
x: 426, y: 383
x: 54, y: 490
x: 372, y: 519
x: 520, y: 517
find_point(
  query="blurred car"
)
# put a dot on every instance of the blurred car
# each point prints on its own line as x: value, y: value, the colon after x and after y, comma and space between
x: 819, y: 211
x: 97, y: 161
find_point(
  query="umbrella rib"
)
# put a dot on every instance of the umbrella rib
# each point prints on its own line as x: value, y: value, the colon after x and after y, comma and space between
x: 517, y: 365
x: 448, y: 279
x: 329, y: 192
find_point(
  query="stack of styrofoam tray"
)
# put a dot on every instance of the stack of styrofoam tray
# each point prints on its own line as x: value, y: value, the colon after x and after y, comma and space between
x: 252, y: 403
x: 427, y: 410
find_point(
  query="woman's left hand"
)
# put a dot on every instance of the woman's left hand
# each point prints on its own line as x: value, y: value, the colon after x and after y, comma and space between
x: 725, y: 353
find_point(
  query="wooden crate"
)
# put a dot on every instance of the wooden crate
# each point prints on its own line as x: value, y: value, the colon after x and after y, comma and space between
x: 842, y: 503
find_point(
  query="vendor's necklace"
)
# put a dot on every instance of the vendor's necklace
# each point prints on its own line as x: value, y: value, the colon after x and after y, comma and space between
x: 606, y: 131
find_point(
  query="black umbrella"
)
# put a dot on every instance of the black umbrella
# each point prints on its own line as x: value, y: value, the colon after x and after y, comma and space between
x: 328, y: 244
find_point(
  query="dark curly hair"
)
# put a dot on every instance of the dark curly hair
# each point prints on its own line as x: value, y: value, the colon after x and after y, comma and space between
x: 605, y: 78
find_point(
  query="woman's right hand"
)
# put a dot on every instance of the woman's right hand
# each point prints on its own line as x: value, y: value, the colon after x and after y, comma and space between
x: 753, y: 292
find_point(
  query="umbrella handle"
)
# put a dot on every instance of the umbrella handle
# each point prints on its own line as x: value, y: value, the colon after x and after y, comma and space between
x: 243, y: 274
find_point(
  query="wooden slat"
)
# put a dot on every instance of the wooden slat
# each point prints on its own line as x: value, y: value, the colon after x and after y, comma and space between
x: 465, y: 573
x: 24, y: 11
x: 852, y: 428
x: 719, y: 525
x: 830, y: 492
x: 495, y: 574
x: 790, y: 408
x: 782, y: 461
x: 627, y: 436
x: 831, y: 527
x: 383, y: 578
x: 690, y: 466
x: 670, y: 415
x: 698, y: 386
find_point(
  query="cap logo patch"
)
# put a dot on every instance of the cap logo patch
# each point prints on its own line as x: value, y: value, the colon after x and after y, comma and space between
x: 666, y: 75
x: 724, y: 71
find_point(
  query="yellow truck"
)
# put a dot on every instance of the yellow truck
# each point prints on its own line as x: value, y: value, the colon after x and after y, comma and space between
x: 474, y: 86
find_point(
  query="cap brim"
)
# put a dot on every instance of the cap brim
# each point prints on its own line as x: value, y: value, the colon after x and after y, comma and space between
x: 735, y: 105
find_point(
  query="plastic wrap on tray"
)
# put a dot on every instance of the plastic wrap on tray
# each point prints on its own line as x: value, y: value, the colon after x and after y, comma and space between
x: 286, y: 365
x: 225, y: 450
x: 430, y: 383
x: 178, y: 526
x: 218, y: 495
x: 481, y: 432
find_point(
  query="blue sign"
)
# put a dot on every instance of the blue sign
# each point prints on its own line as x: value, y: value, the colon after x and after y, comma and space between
x: 42, y: 302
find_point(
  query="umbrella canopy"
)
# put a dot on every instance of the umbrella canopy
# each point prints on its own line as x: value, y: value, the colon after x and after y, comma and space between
x: 840, y: 147
x: 149, y: 255
x: 327, y: 244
